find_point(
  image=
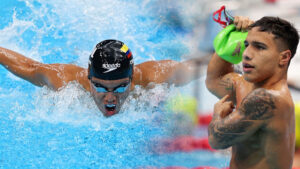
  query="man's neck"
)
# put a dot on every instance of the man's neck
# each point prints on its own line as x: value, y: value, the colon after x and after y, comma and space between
x: 271, y: 83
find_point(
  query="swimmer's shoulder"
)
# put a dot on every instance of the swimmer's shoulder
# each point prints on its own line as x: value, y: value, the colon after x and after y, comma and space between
x: 153, y: 71
x: 274, y: 96
x: 59, y: 75
x: 278, y: 102
x: 237, y: 80
x: 285, y: 101
x: 78, y: 74
x: 149, y: 67
x: 279, y: 109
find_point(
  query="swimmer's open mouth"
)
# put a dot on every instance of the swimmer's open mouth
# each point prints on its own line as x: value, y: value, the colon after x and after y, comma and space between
x: 247, y: 67
x: 110, y: 109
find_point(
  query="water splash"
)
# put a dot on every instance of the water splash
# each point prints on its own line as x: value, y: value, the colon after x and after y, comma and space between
x: 65, y: 129
x: 67, y: 123
x: 66, y: 31
x: 75, y: 106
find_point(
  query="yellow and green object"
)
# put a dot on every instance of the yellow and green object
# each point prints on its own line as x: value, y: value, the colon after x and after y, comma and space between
x: 184, y: 104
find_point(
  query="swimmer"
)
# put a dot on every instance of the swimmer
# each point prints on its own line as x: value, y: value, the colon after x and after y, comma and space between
x: 110, y: 76
x: 255, y: 115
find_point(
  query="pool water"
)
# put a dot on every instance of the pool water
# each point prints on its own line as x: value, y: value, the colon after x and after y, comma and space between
x: 41, y: 128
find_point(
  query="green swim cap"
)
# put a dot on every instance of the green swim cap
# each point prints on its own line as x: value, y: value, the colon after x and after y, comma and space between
x: 229, y: 44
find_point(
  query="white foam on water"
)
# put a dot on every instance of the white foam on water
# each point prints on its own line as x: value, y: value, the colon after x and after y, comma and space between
x: 78, y: 25
x: 85, y: 23
x: 11, y: 37
x: 82, y: 23
x: 71, y: 105
x: 75, y: 106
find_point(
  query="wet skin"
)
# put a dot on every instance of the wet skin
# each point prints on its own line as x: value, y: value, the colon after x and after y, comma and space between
x: 56, y: 76
x: 256, y: 113
x: 261, y: 56
x: 109, y: 103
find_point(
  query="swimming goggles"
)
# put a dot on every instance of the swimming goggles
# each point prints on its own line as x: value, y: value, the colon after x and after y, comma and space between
x: 101, y: 89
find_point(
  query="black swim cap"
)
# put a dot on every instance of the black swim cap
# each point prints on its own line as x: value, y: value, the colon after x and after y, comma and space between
x: 111, y: 60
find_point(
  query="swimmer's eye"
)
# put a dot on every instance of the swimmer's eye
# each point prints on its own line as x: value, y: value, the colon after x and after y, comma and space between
x: 246, y: 43
x: 259, y: 45
x: 99, y: 88
x: 122, y: 88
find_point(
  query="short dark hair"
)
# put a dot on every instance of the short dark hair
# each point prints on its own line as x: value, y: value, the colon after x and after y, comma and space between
x: 280, y: 28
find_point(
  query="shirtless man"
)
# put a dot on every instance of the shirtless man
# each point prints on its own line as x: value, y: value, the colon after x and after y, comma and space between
x: 261, y: 128
x: 110, y: 76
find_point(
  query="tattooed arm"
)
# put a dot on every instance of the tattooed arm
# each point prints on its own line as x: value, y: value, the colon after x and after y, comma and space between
x: 228, y: 128
x: 220, y: 78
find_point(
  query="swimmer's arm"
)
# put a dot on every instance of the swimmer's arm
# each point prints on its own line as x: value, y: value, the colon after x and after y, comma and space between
x: 184, y: 72
x: 220, y: 78
x: 254, y: 112
x: 166, y: 71
x: 53, y: 76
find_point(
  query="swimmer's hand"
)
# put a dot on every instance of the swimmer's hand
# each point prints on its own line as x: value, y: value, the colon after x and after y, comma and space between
x: 223, y: 107
x: 242, y: 23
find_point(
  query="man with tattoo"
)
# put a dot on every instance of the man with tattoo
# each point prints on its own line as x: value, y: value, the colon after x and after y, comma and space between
x: 255, y: 115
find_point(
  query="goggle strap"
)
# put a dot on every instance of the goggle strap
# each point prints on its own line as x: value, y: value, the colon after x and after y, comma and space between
x: 228, y: 17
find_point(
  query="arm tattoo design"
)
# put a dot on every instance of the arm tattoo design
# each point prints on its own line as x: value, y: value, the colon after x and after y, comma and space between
x: 227, y: 84
x: 257, y: 106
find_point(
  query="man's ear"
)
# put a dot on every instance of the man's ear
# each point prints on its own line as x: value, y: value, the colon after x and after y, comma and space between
x: 285, y: 57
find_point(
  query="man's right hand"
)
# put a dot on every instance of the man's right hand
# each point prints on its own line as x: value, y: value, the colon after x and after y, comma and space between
x: 242, y: 23
x: 221, y: 78
x: 223, y: 107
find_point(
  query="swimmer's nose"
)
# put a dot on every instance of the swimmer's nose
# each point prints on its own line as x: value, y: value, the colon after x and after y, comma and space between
x: 247, y: 58
x: 246, y: 55
x: 110, y: 98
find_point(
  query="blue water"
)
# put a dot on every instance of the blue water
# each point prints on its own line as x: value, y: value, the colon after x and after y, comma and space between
x: 41, y: 128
